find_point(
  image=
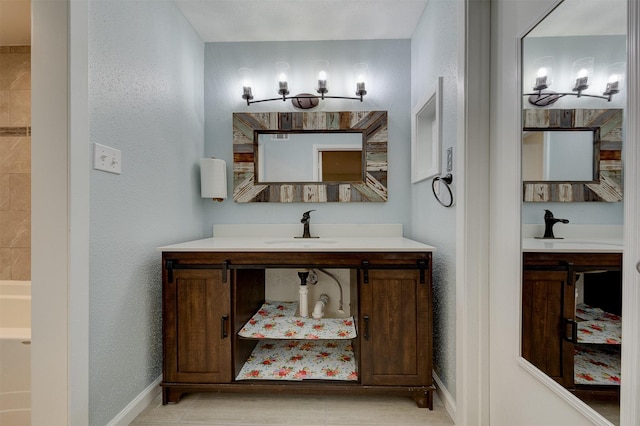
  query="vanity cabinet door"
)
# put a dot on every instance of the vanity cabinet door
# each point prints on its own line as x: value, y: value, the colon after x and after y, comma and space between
x: 197, y: 341
x: 395, y: 328
x: 548, y: 318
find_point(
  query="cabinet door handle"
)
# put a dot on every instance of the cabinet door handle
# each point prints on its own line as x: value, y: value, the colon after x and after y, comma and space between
x: 573, y: 337
x: 366, y: 327
x: 225, y: 269
x: 223, y: 326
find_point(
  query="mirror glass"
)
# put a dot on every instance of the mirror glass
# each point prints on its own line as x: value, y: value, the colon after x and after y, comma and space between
x: 574, y: 60
x: 309, y: 157
x: 558, y: 156
x: 572, y: 152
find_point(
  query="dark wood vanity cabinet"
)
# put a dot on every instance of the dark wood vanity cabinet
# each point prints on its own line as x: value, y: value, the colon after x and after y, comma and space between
x: 209, y: 296
x: 197, y: 334
x: 557, y: 325
x: 395, y: 318
x: 547, y: 311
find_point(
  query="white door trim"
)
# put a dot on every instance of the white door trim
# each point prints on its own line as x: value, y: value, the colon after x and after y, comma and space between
x: 49, y: 212
x: 630, y: 389
x: 60, y: 213
x: 79, y: 189
x: 472, y: 241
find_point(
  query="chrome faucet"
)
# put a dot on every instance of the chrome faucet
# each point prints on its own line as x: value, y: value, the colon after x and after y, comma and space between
x: 306, y: 218
x: 549, y: 221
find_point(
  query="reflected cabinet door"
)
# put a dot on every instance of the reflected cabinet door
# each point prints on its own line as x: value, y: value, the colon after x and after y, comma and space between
x: 548, y: 306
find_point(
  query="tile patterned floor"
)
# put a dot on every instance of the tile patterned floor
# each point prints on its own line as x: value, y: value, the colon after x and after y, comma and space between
x: 308, y: 410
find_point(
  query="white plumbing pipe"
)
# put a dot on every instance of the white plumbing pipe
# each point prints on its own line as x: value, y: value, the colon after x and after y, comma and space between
x: 304, y: 302
x: 340, y: 304
x: 318, y: 309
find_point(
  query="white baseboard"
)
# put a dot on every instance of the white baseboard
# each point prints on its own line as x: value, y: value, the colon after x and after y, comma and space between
x: 446, y: 398
x: 138, y: 404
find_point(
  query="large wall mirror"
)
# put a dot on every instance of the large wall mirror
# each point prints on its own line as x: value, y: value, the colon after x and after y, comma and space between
x: 571, y: 146
x: 310, y: 156
x: 572, y: 155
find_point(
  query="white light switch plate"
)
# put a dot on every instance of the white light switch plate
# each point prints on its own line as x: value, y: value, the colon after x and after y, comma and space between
x: 107, y: 159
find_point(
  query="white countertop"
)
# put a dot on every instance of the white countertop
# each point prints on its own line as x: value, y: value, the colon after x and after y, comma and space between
x: 575, y: 239
x: 572, y: 245
x: 282, y: 238
x: 288, y: 244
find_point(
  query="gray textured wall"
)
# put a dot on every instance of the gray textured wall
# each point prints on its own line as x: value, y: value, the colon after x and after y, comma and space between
x: 434, y: 54
x: 146, y: 66
x: 388, y: 89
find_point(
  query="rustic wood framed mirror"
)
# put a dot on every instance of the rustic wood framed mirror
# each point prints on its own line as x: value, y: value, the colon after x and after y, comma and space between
x: 606, y: 127
x: 251, y: 184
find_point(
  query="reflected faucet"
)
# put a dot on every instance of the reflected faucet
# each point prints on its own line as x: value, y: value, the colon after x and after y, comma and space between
x: 306, y: 218
x: 549, y: 221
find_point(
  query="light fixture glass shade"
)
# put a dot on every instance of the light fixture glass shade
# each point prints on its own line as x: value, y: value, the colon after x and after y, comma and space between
x: 543, y: 69
x: 213, y: 178
x: 282, y: 77
x: 321, y: 71
x: 361, y: 75
x: 615, y: 78
x: 246, y: 79
x: 582, y: 71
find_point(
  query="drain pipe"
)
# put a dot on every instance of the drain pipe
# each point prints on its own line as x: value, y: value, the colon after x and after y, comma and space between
x: 318, y: 309
x: 340, y: 304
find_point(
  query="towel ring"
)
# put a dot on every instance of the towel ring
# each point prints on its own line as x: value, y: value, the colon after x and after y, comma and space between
x: 447, y: 179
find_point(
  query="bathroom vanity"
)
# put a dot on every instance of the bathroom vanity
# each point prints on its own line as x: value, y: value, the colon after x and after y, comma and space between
x: 571, y: 313
x: 214, y: 299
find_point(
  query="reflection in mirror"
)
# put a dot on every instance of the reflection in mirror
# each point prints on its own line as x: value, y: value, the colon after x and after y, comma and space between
x: 571, y: 302
x: 606, y: 160
x: 340, y: 165
x: 309, y: 157
x: 560, y: 156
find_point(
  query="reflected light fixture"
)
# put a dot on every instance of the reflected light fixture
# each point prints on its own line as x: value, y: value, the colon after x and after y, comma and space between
x: 582, y: 70
x: 322, y: 76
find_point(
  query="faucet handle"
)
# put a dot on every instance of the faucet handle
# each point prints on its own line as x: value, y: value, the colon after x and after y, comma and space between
x: 306, y: 216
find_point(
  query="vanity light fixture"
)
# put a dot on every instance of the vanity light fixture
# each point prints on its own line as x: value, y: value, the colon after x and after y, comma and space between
x: 582, y: 70
x: 322, y: 77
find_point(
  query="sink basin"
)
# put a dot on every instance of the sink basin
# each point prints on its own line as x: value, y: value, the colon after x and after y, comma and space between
x: 301, y: 241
